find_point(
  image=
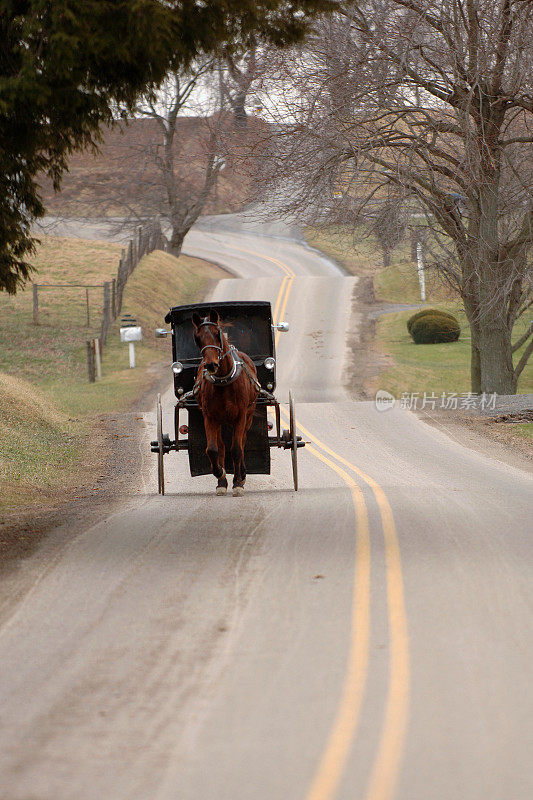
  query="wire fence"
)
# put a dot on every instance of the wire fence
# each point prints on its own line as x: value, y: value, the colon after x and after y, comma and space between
x: 147, y: 238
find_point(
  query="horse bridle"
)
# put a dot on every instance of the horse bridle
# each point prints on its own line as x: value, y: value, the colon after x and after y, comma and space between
x: 236, y: 363
x: 214, y: 346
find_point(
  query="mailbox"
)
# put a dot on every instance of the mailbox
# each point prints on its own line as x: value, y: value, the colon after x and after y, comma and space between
x: 130, y: 333
x: 133, y: 333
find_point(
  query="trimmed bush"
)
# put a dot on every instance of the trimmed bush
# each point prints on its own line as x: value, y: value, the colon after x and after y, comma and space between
x: 423, y: 313
x: 435, y: 329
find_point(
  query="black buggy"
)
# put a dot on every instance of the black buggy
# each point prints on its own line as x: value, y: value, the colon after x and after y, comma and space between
x: 249, y: 328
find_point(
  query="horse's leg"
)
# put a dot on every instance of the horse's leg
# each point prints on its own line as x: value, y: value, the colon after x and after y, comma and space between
x: 237, y: 454
x: 212, y: 432
x: 249, y: 419
x: 222, y: 486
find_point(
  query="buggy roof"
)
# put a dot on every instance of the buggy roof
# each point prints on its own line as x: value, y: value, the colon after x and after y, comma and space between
x: 247, y: 323
x: 226, y: 308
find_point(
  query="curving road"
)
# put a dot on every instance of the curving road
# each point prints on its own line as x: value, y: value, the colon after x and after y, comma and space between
x: 368, y: 637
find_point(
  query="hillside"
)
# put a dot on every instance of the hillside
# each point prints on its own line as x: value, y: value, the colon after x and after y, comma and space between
x: 123, y: 177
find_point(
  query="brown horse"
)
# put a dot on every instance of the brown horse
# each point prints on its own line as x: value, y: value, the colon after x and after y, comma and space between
x: 227, y: 394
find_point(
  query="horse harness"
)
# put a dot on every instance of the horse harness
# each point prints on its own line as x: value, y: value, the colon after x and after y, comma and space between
x: 237, y: 367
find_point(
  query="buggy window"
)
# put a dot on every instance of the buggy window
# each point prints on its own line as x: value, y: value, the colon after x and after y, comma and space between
x: 249, y: 332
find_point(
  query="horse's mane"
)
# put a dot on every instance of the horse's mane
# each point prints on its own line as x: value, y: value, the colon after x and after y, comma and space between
x: 223, y: 327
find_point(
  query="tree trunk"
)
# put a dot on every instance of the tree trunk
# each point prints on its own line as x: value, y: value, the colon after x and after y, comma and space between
x: 239, y: 111
x: 470, y: 297
x: 386, y: 257
x: 496, y: 360
x: 497, y: 372
x: 176, y: 240
x: 475, y: 361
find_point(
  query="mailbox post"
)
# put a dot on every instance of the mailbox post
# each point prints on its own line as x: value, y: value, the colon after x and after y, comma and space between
x: 130, y: 332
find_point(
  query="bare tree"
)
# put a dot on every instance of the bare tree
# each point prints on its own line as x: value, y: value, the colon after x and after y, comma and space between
x: 240, y: 79
x: 187, y: 175
x: 435, y: 101
x: 236, y: 79
x: 179, y: 157
x: 167, y: 160
x: 388, y: 226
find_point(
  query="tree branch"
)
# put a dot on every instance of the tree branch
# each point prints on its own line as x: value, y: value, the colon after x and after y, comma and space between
x: 523, y: 339
x: 525, y: 358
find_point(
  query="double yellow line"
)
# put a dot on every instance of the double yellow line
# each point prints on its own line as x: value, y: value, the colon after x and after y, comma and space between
x: 384, y: 772
x: 285, y: 288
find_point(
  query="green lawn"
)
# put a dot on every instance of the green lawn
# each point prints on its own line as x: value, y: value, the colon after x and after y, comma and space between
x: 417, y: 368
x: 431, y: 367
x: 399, y: 284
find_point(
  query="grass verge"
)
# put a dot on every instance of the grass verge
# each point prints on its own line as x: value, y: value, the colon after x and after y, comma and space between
x: 399, y: 283
x: 417, y: 368
x: 524, y: 430
x: 360, y: 255
x: 48, y: 410
x: 37, y: 443
x: 431, y: 368
x: 356, y: 253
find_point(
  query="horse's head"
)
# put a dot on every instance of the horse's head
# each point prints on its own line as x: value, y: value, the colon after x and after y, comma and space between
x: 209, y: 338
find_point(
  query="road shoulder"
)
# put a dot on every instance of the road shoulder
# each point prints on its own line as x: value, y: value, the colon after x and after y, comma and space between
x: 493, y: 440
x: 31, y: 538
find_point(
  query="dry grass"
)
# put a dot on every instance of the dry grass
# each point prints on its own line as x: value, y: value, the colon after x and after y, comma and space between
x: 47, y: 405
x: 165, y: 281
x: 76, y: 260
x: 360, y: 255
x: 356, y: 253
x: 38, y: 447
x: 52, y: 347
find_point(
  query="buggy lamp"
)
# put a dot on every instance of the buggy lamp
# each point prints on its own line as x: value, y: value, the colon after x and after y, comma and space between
x: 270, y: 362
x: 177, y: 367
x: 161, y: 333
x: 281, y: 326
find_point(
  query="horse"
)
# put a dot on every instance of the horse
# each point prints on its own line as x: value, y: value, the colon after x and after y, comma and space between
x: 227, y: 390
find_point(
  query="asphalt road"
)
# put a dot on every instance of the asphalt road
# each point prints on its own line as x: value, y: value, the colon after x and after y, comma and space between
x: 368, y: 637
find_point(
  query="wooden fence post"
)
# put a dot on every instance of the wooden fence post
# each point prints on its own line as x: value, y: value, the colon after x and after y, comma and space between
x: 106, y: 318
x: 145, y: 239
x: 120, y: 282
x: 90, y: 362
x: 35, y: 304
x: 97, y: 349
x: 114, y: 298
x: 131, y: 256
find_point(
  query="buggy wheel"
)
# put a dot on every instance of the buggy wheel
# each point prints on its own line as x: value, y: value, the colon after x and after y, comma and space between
x: 294, y: 441
x: 160, y: 465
